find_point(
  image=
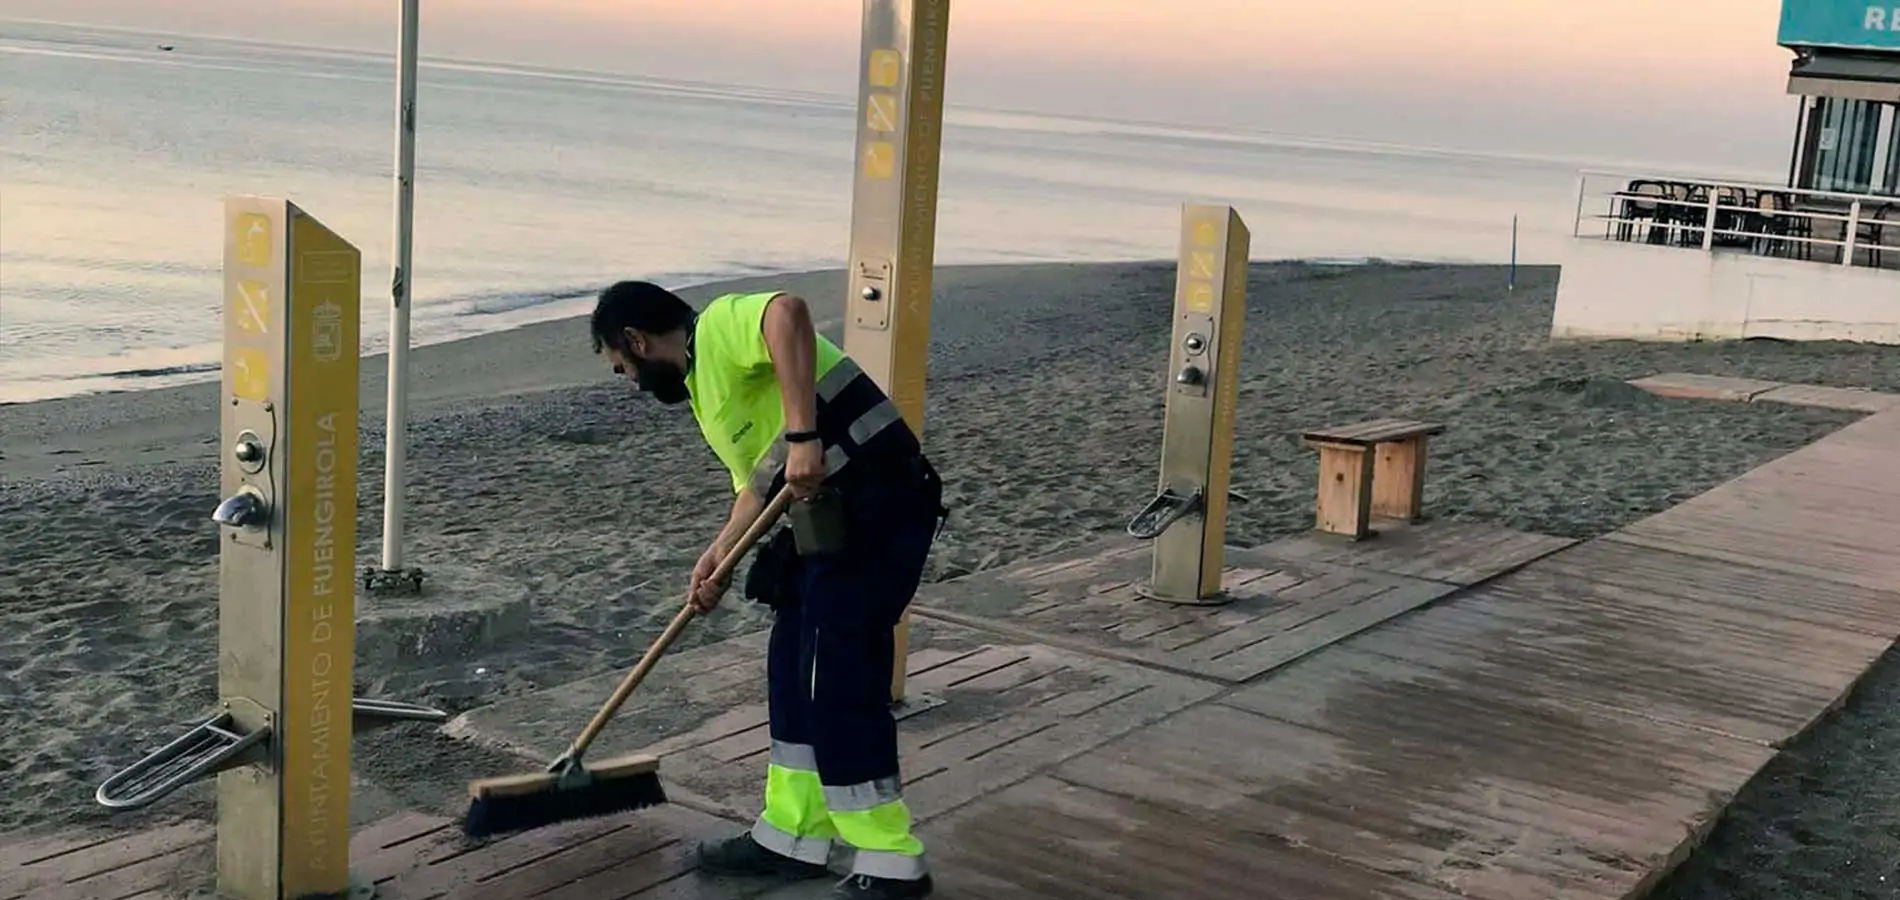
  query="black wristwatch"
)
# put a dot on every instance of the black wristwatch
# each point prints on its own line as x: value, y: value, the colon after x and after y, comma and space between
x: 800, y: 437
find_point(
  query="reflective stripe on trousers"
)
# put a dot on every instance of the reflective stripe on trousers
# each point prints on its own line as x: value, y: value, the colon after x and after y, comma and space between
x: 803, y: 818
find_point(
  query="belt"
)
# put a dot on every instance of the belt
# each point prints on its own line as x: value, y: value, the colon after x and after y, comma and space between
x: 907, y: 471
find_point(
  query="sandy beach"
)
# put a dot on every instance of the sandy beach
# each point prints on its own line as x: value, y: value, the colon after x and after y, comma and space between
x: 531, y: 462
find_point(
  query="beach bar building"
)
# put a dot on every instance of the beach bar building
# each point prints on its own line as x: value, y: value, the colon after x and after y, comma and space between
x: 1673, y: 257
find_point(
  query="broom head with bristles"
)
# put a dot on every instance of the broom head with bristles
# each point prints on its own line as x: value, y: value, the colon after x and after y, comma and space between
x: 564, y: 793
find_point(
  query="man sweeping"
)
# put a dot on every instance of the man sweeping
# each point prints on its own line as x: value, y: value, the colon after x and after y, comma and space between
x: 784, y: 408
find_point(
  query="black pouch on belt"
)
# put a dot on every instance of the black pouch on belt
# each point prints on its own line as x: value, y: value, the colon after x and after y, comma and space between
x: 818, y: 523
x: 769, y: 578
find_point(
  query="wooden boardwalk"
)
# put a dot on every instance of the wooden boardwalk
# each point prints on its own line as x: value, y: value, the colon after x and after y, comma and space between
x: 1687, y: 386
x: 1448, y: 710
x: 1288, y: 598
x: 1008, y: 709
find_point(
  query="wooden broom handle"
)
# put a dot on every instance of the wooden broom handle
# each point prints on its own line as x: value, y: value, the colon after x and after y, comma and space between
x: 761, y: 524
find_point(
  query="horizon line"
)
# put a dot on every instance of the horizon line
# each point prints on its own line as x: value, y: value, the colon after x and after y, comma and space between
x: 848, y: 98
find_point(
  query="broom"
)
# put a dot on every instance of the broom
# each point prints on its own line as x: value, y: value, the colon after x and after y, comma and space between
x: 568, y: 790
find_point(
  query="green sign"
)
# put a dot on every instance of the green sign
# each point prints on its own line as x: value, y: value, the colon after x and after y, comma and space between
x: 1854, y: 24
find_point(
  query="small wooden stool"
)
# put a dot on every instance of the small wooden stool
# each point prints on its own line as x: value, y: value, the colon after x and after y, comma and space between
x: 1374, y: 468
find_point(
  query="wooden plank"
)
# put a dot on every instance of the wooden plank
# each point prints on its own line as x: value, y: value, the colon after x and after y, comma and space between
x: 1008, y: 712
x: 1345, y: 491
x: 1716, y: 587
x: 381, y: 865
x: 1048, y: 839
x: 753, y: 741
x: 1410, y: 718
x: 1494, y: 769
x: 1825, y: 512
x: 96, y: 863
x: 1054, y: 726
x: 1128, y: 616
x: 1671, y: 668
x: 998, y: 693
x: 1855, y: 399
x: 716, y: 693
x: 395, y: 831
x: 1497, y: 552
x: 1076, y: 722
x: 1480, y: 813
x: 1640, y: 619
x: 974, y: 666
x: 1376, y: 431
x: 1079, y: 564
x: 745, y: 714
x: 403, y: 842
x: 635, y: 872
x: 446, y: 874
x: 545, y: 851
x: 1305, y: 602
x: 1251, y: 662
x: 1398, y: 479
x: 1204, y: 623
x: 927, y: 659
x: 967, y: 742
x: 26, y: 850
x: 1822, y: 554
x: 1273, y: 610
x: 996, y: 697
x: 103, y: 865
x: 723, y: 761
x: 165, y: 871
x: 619, y: 856
x: 1686, y: 386
x: 539, y: 725
x: 76, y: 853
x: 1461, y: 553
x: 1131, y: 617
x: 1804, y: 658
x: 1850, y: 465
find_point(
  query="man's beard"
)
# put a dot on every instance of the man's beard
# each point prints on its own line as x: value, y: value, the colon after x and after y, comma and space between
x: 666, y: 382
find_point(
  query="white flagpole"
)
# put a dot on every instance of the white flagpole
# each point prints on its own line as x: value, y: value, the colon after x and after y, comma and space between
x: 398, y: 407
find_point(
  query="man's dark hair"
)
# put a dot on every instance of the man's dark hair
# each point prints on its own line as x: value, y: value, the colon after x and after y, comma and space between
x: 640, y: 305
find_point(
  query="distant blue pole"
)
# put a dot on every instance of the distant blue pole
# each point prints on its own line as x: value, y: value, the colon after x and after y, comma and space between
x: 1511, y: 284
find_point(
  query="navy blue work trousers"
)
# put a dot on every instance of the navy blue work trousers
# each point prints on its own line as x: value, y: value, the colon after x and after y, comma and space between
x: 830, y: 653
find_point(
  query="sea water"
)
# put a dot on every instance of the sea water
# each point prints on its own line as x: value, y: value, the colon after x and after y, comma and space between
x: 536, y: 187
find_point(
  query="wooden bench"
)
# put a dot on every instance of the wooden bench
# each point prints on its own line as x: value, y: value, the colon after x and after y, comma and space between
x: 1369, y: 469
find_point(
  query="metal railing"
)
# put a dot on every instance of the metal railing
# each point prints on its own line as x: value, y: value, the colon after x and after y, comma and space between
x: 1861, y: 230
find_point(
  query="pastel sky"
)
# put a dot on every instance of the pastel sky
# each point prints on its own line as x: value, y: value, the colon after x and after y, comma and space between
x: 1690, y: 81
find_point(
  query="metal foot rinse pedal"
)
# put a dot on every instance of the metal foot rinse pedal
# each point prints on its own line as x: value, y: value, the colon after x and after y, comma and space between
x: 210, y: 747
x: 214, y: 745
x: 1164, y: 510
x: 383, y: 711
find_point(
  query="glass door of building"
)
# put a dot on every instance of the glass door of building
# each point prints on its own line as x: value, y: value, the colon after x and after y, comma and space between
x: 1849, y: 146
